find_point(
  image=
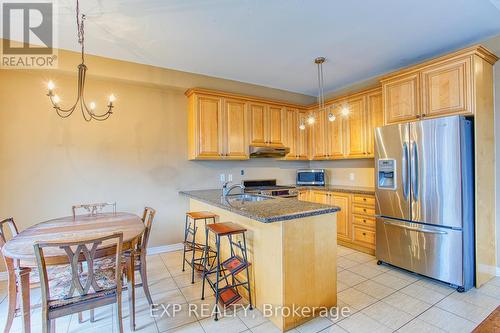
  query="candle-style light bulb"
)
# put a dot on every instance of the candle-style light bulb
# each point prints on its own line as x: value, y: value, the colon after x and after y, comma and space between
x: 56, y: 99
x: 331, y: 117
x: 302, y: 126
x: 345, y: 111
x: 112, y: 98
x: 311, y: 120
x: 92, y: 106
x: 51, y: 85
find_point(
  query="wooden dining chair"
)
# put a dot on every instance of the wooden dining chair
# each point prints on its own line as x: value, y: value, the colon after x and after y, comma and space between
x: 140, y: 264
x: 93, y: 287
x: 94, y: 208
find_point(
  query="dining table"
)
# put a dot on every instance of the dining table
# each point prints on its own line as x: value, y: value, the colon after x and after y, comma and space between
x: 20, y: 257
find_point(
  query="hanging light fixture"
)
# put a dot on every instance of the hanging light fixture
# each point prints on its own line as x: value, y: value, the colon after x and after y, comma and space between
x: 321, y: 96
x: 87, y: 111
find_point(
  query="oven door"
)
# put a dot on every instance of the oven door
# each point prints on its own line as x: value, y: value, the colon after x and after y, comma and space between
x: 311, y: 177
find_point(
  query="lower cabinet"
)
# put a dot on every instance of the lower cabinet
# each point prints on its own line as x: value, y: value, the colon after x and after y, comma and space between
x: 355, y: 220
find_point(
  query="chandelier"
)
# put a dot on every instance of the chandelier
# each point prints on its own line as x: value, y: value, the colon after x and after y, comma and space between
x: 311, y: 119
x: 88, y: 112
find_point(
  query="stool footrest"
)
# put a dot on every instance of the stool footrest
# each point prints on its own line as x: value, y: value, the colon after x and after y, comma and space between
x: 229, y: 296
x: 235, y: 265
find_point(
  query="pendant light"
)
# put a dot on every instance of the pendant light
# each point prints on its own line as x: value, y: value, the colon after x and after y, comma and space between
x: 87, y: 111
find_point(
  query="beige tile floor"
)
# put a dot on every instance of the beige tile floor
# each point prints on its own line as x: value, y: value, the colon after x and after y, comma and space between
x: 380, y: 299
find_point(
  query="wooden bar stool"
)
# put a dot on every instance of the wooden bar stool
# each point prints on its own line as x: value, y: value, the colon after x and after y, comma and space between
x: 190, y: 244
x: 226, y: 272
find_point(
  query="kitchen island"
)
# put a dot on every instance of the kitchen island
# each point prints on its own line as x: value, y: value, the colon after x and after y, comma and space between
x: 291, y: 247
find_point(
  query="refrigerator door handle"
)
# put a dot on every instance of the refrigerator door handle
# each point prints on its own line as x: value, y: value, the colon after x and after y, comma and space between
x: 404, y: 171
x: 424, y: 230
x: 414, y: 171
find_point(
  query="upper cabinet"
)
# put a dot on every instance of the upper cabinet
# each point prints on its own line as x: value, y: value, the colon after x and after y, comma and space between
x: 295, y: 138
x: 222, y: 126
x: 319, y: 147
x: 446, y: 88
x: 266, y: 124
x: 440, y: 87
x: 356, y: 128
x: 205, y: 127
x: 401, y: 99
x: 234, y: 134
x: 374, y: 119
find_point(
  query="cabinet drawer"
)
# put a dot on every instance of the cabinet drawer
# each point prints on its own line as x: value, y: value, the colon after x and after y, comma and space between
x: 364, y: 199
x: 357, y: 209
x: 363, y: 236
x: 364, y: 221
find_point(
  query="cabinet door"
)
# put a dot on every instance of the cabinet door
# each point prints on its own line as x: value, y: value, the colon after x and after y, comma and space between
x: 209, y: 127
x: 355, y: 131
x: 275, y: 126
x: 401, y: 99
x: 374, y: 119
x: 235, y: 129
x: 290, y: 137
x: 257, y: 124
x: 322, y: 197
x: 319, y: 142
x: 446, y: 88
x: 342, y: 200
x: 302, y: 148
x: 304, y: 195
x: 335, y: 135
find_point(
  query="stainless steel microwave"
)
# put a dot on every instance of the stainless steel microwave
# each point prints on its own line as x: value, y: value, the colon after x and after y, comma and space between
x: 312, y: 177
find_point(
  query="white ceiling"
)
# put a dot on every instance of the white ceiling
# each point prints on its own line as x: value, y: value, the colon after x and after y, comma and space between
x: 273, y: 42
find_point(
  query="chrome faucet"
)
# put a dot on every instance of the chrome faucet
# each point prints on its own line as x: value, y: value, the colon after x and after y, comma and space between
x: 226, y: 190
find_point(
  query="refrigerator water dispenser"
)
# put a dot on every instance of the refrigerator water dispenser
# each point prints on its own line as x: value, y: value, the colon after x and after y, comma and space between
x: 386, y: 174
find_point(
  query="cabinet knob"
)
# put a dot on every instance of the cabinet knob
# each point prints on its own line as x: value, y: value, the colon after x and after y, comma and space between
x: 364, y: 210
x: 364, y: 233
x: 364, y: 199
x: 417, y: 116
x: 364, y: 221
x: 423, y: 114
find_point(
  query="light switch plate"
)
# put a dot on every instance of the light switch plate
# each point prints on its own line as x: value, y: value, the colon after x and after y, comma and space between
x: 351, y: 176
x: 230, y: 177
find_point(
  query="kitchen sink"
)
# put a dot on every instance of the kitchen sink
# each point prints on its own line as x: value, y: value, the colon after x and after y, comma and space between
x: 246, y: 198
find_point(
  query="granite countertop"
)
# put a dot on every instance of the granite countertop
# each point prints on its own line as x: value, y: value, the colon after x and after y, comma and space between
x: 341, y: 188
x: 272, y: 210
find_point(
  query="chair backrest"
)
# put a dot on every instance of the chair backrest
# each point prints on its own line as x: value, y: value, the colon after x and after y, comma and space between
x: 12, y: 229
x: 94, y: 208
x: 83, y: 257
x: 147, y: 218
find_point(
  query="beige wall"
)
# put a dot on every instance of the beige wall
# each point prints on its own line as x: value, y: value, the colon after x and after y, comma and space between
x: 349, y: 172
x: 138, y: 157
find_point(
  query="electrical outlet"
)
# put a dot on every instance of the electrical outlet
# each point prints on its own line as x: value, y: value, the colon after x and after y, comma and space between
x: 230, y: 177
x: 242, y: 172
x: 351, y: 177
x: 222, y: 177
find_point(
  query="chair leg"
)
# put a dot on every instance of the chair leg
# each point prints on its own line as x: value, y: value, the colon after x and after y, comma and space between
x: 46, y: 322
x: 12, y: 296
x: 92, y: 317
x: 184, y: 248
x: 144, y: 279
x: 80, y: 317
x: 118, y: 306
x: 52, y: 326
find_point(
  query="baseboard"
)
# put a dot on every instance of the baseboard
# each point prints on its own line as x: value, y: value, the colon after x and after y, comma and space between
x: 151, y: 250
x: 164, y: 248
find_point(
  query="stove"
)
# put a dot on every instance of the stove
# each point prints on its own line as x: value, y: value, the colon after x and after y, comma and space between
x: 268, y: 187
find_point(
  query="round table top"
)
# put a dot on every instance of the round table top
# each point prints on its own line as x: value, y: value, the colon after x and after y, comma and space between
x: 69, y: 229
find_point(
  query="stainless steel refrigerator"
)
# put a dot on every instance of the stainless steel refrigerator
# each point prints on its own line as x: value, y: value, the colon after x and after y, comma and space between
x: 425, y: 198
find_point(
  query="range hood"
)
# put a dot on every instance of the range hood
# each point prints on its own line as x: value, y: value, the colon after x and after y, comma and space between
x: 268, y: 152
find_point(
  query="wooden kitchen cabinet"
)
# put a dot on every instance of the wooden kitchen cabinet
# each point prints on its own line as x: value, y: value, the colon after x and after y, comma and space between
x: 235, y: 143
x: 446, y: 88
x: 401, y: 98
x: 374, y: 119
x: 295, y: 138
x: 217, y: 128
x: 335, y: 135
x: 355, y: 220
x: 356, y: 128
x: 319, y: 147
x: 266, y: 124
x: 343, y: 216
x: 205, y: 127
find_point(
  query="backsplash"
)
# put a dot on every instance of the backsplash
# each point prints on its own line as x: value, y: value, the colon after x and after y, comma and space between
x: 348, y: 172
